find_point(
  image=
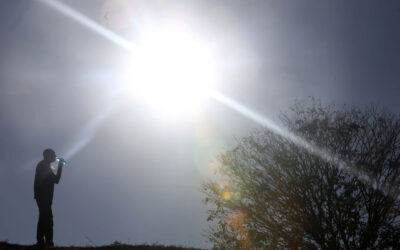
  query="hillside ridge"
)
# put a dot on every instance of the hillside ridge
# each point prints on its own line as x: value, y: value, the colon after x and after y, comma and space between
x: 116, y: 246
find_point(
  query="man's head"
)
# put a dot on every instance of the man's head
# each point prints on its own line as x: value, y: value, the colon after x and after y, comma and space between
x: 49, y: 155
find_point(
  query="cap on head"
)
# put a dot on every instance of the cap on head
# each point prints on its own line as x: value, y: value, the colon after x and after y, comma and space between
x: 49, y: 154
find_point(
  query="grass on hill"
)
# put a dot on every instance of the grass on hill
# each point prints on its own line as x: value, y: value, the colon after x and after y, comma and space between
x: 117, y: 246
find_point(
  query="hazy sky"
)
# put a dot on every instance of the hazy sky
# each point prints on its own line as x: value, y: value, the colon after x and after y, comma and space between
x: 138, y: 176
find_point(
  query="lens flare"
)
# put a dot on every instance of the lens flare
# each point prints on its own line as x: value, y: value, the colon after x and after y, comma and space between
x: 237, y: 221
x: 226, y: 194
x: 89, y: 23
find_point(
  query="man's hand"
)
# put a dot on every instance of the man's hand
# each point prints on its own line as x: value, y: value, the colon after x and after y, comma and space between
x: 60, y: 164
x: 59, y: 170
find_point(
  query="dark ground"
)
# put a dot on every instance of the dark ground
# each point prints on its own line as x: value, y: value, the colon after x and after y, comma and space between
x: 117, y: 246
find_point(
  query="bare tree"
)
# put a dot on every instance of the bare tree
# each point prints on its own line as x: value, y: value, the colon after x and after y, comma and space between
x: 271, y: 192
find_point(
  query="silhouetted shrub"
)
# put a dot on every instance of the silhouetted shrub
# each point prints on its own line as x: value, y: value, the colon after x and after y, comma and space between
x: 331, y: 181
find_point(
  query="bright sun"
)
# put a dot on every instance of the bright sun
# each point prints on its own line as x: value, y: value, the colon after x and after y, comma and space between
x: 171, y: 71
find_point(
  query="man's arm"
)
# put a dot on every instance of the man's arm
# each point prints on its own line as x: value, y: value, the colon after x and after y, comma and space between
x: 58, y: 175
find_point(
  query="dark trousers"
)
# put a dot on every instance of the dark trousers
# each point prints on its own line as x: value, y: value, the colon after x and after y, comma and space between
x: 45, y: 223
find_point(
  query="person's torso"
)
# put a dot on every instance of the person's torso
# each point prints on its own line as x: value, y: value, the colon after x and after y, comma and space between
x: 44, y: 181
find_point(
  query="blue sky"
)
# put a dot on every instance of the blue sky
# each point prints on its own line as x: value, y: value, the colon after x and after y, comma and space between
x: 139, y: 176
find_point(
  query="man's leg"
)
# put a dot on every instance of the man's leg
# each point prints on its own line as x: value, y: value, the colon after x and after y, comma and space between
x: 48, y: 232
x: 40, y: 225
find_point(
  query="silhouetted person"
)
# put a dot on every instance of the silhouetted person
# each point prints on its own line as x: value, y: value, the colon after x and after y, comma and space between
x: 44, y: 189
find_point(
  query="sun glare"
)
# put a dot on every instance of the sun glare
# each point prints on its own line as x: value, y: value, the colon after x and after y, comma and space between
x: 171, y: 71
